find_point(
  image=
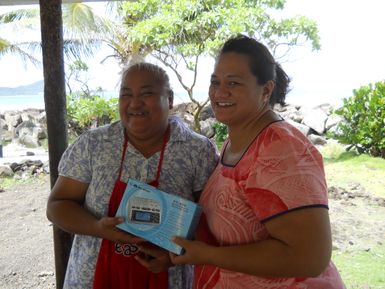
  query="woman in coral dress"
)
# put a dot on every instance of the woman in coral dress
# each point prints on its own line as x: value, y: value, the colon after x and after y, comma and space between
x: 266, y: 221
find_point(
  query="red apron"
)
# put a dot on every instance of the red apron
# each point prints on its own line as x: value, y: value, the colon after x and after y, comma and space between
x: 116, y: 267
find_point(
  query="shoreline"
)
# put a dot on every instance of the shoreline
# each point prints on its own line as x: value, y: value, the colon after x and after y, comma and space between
x: 13, y: 153
x: 20, y: 107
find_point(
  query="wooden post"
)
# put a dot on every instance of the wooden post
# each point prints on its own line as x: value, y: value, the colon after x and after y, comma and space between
x: 55, y: 108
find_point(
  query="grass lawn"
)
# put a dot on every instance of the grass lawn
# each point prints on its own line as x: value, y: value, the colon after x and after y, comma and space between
x: 359, y: 269
x: 343, y: 168
x: 362, y: 269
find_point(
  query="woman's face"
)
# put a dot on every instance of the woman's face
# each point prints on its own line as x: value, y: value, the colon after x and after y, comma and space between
x: 235, y: 95
x: 143, y: 104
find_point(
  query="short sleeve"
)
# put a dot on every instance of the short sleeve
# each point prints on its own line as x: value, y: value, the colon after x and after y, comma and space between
x: 205, y: 162
x: 286, y: 174
x: 75, y: 162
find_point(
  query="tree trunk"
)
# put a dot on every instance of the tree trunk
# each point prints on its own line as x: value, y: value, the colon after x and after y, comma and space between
x: 197, y: 113
x: 55, y: 108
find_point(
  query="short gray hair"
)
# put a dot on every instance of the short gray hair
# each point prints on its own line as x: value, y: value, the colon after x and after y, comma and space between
x: 159, y: 73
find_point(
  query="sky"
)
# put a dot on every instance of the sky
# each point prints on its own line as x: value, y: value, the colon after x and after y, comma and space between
x: 352, y: 54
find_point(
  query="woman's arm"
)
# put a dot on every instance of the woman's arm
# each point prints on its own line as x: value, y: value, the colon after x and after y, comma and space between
x: 65, y: 209
x: 299, y: 246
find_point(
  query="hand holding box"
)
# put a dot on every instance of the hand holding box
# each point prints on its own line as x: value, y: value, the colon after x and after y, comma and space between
x: 157, y: 216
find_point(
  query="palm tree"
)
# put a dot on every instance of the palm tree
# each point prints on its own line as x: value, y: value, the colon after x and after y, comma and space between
x: 21, y: 20
x: 83, y: 31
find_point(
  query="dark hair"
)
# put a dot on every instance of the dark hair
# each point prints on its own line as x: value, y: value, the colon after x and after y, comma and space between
x: 159, y: 73
x: 262, y: 65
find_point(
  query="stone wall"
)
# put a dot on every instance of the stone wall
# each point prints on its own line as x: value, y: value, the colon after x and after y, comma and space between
x: 28, y: 128
x: 313, y: 122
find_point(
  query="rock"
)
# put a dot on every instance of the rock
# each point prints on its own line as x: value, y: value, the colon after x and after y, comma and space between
x: 3, y: 125
x: 332, y: 121
x: 316, y: 119
x: 30, y: 141
x: 317, y: 139
x: 325, y: 107
x: 28, y: 133
x: 206, y: 113
x: 290, y: 112
x: 15, y: 167
x: 16, y: 125
x: 12, y: 118
x: 207, y: 127
x: 303, y: 128
x: 6, y: 171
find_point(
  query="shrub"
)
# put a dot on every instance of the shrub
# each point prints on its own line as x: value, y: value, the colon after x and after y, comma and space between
x: 221, y: 133
x: 85, y: 112
x: 363, y: 126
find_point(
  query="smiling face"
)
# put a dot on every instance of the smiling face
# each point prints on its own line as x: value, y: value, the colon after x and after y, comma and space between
x: 235, y: 95
x: 144, y: 103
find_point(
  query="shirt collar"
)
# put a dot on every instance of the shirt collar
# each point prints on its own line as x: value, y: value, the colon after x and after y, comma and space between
x: 178, y: 131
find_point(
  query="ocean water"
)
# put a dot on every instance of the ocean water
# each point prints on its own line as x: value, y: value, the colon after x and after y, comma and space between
x: 304, y: 98
x: 20, y: 102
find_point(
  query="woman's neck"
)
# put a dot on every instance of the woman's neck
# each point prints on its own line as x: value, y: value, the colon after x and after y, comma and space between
x: 148, y: 145
x: 243, y: 135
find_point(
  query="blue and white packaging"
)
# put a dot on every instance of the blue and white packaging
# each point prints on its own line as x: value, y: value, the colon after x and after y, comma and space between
x: 156, y: 216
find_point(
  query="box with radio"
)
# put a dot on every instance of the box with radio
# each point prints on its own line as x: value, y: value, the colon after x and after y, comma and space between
x: 156, y: 216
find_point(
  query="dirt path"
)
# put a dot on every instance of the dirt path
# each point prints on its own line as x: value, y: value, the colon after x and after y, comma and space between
x: 26, y: 243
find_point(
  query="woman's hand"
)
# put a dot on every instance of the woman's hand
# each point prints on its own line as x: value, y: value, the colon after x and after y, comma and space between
x: 108, y: 230
x: 299, y: 245
x: 153, y: 258
x: 195, y: 252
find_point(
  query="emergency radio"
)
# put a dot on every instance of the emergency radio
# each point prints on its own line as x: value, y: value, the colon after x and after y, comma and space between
x: 144, y: 211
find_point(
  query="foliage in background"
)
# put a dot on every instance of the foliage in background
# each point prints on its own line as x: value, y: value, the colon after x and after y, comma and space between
x: 90, y: 111
x: 179, y: 32
x: 86, y: 109
x: 364, y: 120
x: 221, y: 133
x: 75, y: 72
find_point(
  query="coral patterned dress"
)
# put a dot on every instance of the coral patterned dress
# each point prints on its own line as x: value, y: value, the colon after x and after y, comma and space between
x: 281, y: 171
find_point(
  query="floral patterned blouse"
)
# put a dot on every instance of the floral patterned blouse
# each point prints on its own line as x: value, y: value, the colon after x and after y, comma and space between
x: 94, y: 159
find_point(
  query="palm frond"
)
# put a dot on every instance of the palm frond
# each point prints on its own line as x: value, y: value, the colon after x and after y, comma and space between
x: 19, y: 14
x: 80, y: 22
x: 76, y: 48
x: 9, y: 48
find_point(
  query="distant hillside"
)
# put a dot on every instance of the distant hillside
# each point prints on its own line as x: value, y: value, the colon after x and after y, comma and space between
x: 33, y: 88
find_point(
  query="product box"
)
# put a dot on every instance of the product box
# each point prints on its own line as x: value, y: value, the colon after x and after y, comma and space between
x: 157, y: 216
